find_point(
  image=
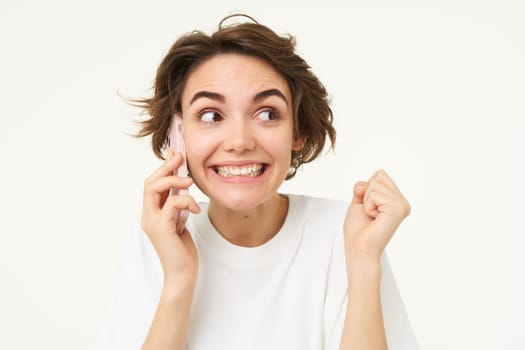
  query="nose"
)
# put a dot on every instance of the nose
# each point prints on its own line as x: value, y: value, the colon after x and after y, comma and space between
x: 240, y: 137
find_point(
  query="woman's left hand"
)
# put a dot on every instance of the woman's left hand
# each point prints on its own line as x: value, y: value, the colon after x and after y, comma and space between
x: 376, y: 210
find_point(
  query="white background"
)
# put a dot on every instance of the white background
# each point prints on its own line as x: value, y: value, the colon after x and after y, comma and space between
x: 431, y: 91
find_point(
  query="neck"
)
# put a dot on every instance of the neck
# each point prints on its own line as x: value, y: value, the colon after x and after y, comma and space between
x: 250, y: 228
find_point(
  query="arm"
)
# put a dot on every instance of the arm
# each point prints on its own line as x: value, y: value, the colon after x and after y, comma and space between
x: 363, y: 327
x: 373, y: 216
x: 170, y: 325
x: 177, y: 254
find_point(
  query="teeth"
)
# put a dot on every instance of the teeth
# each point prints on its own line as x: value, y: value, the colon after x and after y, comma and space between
x: 250, y: 171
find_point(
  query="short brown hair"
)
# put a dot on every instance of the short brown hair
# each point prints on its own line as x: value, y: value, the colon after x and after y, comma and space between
x: 312, y: 115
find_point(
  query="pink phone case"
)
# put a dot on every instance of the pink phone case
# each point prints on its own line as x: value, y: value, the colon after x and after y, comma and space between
x: 176, y: 143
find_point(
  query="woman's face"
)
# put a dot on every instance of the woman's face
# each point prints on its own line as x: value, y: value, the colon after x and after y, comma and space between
x: 238, y: 130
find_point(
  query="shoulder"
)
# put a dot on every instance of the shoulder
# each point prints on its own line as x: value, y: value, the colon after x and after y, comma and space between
x: 321, y: 221
x: 326, y: 211
x: 323, y: 204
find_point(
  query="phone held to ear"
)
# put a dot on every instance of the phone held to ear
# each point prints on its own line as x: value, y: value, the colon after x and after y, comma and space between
x: 176, y: 143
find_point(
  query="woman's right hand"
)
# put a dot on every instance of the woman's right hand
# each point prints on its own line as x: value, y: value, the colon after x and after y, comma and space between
x: 177, y: 253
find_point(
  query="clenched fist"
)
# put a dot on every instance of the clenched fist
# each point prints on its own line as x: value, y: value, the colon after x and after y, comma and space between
x: 376, y: 210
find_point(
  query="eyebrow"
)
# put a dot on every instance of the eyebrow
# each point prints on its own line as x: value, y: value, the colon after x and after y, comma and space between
x: 267, y: 93
x: 218, y: 97
x: 207, y: 94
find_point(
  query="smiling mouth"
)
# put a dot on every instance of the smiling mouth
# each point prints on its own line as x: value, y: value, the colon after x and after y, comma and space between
x: 252, y: 170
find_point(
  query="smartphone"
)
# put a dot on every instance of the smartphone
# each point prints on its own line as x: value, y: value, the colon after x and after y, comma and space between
x: 176, y: 143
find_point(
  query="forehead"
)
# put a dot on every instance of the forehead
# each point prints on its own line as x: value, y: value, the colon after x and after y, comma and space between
x: 234, y: 74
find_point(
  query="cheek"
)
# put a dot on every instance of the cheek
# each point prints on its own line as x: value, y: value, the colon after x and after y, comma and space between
x: 198, y: 147
x: 280, y: 148
x: 192, y: 150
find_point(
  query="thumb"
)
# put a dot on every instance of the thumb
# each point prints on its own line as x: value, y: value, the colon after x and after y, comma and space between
x: 359, y: 192
x: 356, y: 217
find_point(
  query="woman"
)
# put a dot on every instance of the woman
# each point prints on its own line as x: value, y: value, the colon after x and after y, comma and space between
x: 253, y: 269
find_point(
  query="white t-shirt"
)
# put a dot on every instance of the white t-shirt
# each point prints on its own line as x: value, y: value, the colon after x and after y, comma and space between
x: 289, y: 293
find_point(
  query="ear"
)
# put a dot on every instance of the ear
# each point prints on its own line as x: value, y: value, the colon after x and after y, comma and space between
x: 298, y: 144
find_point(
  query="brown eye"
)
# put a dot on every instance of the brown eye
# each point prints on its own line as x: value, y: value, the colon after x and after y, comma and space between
x: 268, y: 114
x: 210, y: 116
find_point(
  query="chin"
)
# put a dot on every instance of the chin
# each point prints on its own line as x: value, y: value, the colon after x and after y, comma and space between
x: 241, y: 200
x: 238, y: 203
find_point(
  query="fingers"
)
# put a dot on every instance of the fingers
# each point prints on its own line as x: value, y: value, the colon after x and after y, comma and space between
x: 157, y: 185
x: 174, y: 203
x: 169, y: 154
x: 165, y: 183
x: 380, y: 194
x: 381, y: 176
x: 163, y: 214
x: 156, y: 192
x: 374, y: 202
x: 171, y: 164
